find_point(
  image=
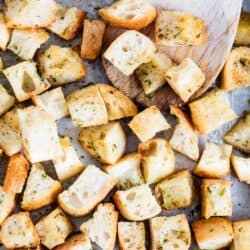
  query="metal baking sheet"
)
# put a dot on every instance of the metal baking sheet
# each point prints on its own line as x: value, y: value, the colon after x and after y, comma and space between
x: 240, y: 101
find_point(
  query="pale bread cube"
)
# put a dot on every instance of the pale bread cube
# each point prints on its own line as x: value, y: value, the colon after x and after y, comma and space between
x: 211, y: 111
x: 176, y: 191
x: 5, y: 33
x: 6, y: 100
x: 102, y: 227
x: 157, y: 159
x: 170, y: 232
x: 127, y: 171
x: 137, y: 203
x: 39, y: 134
x: 106, y: 143
x: 129, y: 51
x: 241, y: 167
x: 54, y: 228
x: 241, y: 235
x: 214, y: 233
x: 216, y: 198
x: 25, y: 42
x: 214, y: 161
x: 87, y: 107
x: 25, y: 81
x: 144, y: 124
x: 132, y: 235
x: 90, y: 188
x: 52, y: 101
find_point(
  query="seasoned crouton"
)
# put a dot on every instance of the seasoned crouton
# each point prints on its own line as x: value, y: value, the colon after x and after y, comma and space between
x: 1, y: 64
x: 241, y: 168
x: 5, y: 33
x: 243, y: 32
x: 241, y: 235
x: 6, y: 100
x: 93, y: 31
x: 144, y: 124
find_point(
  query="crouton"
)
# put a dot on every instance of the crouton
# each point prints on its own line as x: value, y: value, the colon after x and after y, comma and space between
x: 25, y: 42
x: 53, y: 102
x: 1, y: 153
x: 86, y: 192
x: 214, y: 161
x: 39, y: 134
x: 41, y: 190
x: 87, y: 107
x: 176, y: 191
x: 106, y: 143
x: 1, y: 64
x: 215, y: 198
x: 30, y: 13
x: 214, y: 233
x: 211, y: 111
x: 185, y: 79
x: 6, y: 100
x: 175, y: 28
x: 243, y: 32
x: 129, y: 51
x: 18, y: 231
x: 157, y: 161
x: 54, y: 228
x: 241, y: 235
x: 5, y: 33
x: 68, y: 164
x: 68, y: 22
x: 118, y: 105
x: 144, y: 124
x: 131, y: 235
x: 25, y: 81
x: 16, y: 174
x: 102, y: 227
x: 170, y: 232
x: 127, y: 171
x: 236, y: 71
x: 241, y: 167
x: 152, y: 74
x: 239, y: 135
x: 137, y: 203
x: 93, y: 32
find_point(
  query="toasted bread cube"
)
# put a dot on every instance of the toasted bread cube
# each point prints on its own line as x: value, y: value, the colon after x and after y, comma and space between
x: 211, y: 111
x: 1, y: 153
x: 1, y: 64
x: 216, y: 198
x: 27, y: 14
x: 152, y: 74
x: 129, y: 51
x: 93, y: 32
x: 127, y: 171
x: 241, y: 235
x: 18, y: 231
x: 170, y: 232
x: 6, y: 100
x: 90, y: 188
x: 243, y: 32
x: 54, y: 228
x: 41, y: 190
x: 118, y: 105
x: 68, y: 164
x: 137, y: 203
x: 25, y: 42
x: 107, y: 142
x: 214, y: 233
x: 132, y: 235
x: 39, y: 134
x: 16, y: 174
x: 25, y: 81
x: 144, y: 124
x: 68, y: 22
x: 214, y: 161
x: 10, y: 139
x: 176, y: 191
x: 175, y: 28
x: 52, y: 101
x: 5, y: 33
x: 87, y: 107
x: 157, y: 159
x: 102, y: 227
x: 239, y: 135
x: 241, y: 167
x: 236, y: 73
x: 61, y: 65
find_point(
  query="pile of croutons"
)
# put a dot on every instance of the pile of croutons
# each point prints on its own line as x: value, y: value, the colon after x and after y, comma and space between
x: 145, y: 182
